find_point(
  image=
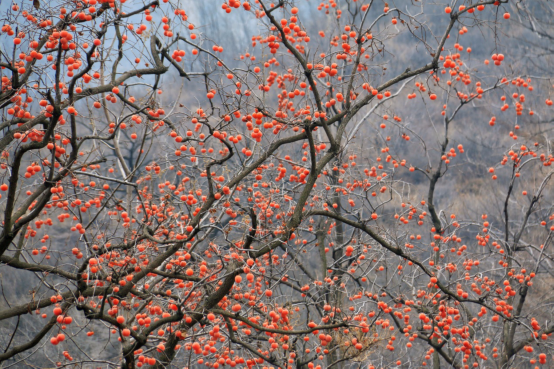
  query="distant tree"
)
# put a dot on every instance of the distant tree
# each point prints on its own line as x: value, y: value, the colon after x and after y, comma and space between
x: 303, y: 202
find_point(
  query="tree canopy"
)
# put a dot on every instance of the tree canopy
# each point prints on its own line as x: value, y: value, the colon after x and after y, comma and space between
x: 296, y: 184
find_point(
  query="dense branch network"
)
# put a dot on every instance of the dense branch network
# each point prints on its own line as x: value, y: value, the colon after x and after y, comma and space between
x: 180, y: 203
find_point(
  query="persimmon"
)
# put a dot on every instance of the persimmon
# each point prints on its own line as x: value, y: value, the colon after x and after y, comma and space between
x: 263, y: 198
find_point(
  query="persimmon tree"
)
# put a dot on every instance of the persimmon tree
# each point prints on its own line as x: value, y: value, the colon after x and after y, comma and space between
x: 349, y: 187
